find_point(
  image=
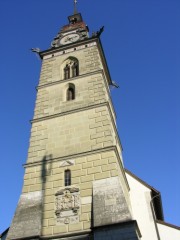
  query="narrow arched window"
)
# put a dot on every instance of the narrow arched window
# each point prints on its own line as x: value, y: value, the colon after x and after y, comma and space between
x: 67, y: 177
x: 75, y: 69
x: 70, y: 94
x: 66, y: 72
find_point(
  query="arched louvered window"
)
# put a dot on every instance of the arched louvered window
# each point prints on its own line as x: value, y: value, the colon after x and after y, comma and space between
x: 70, y: 95
x: 70, y: 68
x: 66, y: 72
x: 75, y: 69
x: 67, y: 177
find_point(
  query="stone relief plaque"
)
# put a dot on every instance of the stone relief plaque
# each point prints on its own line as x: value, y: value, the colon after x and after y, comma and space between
x: 67, y: 205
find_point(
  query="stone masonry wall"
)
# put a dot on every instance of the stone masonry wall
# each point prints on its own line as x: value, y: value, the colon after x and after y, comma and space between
x: 71, y: 134
x: 89, y: 61
x: 89, y: 90
x: 50, y: 178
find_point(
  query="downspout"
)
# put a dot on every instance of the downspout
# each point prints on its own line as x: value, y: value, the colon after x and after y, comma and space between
x: 154, y: 216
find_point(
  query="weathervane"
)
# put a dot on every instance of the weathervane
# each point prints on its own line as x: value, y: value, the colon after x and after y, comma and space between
x: 75, y: 6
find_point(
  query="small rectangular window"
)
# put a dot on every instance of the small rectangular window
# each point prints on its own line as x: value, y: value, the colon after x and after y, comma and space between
x: 67, y: 178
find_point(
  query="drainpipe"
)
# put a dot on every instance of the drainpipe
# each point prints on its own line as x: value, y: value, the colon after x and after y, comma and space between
x: 154, y: 216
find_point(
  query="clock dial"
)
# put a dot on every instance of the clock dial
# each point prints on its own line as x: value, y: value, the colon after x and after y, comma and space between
x: 69, y: 38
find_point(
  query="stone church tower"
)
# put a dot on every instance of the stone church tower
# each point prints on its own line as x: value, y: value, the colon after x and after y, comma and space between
x: 75, y: 185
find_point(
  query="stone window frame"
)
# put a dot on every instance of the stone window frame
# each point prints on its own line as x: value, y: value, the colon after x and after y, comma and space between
x: 70, y: 68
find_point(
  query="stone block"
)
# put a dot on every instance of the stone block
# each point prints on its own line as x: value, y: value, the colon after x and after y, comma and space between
x: 49, y: 192
x: 97, y: 146
x: 86, y: 200
x: 112, y: 160
x: 81, y: 160
x: 79, y: 173
x: 25, y: 189
x: 93, y: 157
x: 97, y: 135
x: 75, y: 227
x: 60, y: 229
x: 94, y: 170
x: 114, y: 173
x: 57, y: 184
x: 108, y: 144
x: 87, y: 165
x: 47, y: 231
x: 57, y: 177
x: 51, y: 222
x: 48, y: 199
x: 84, y: 217
x: 87, y: 178
x: 109, y: 167
x: 87, y: 185
x: 48, y: 207
x: 104, y: 139
x: 75, y: 180
x: 57, y: 170
x: 48, y: 185
x: 30, y: 170
x: 86, y: 225
x: 108, y: 154
x: 86, y: 208
x: 102, y: 175
x: 36, y: 187
x: 45, y: 223
x: 100, y: 162
x: 48, y: 214
x: 75, y: 167
x: 27, y: 176
x: 87, y: 192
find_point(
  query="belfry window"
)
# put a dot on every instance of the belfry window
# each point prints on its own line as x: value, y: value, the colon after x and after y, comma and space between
x: 66, y: 72
x: 70, y: 68
x: 75, y: 70
x: 67, y: 177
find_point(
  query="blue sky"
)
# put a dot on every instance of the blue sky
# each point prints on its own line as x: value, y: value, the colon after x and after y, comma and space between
x: 142, y: 46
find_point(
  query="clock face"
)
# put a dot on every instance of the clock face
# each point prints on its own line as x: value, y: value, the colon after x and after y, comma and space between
x: 69, y: 38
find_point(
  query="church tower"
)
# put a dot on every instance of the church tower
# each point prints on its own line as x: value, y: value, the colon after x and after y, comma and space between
x: 75, y: 185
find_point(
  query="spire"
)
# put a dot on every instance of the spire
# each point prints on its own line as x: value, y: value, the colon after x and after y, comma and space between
x: 75, y: 6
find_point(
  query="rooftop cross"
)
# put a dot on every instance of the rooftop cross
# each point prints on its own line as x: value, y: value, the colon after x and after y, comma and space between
x: 75, y: 6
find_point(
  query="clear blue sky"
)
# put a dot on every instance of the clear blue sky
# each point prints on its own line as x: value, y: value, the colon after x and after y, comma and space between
x: 142, y: 46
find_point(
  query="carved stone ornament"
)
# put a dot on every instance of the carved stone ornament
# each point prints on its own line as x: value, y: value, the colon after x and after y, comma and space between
x: 67, y: 205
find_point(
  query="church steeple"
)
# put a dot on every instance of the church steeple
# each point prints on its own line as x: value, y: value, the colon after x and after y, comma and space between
x: 76, y: 30
x: 74, y: 178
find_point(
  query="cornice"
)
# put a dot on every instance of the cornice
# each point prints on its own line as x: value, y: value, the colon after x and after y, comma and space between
x: 68, y: 46
x: 68, y: 112
x: 72, y: 156
x: 69, y: 79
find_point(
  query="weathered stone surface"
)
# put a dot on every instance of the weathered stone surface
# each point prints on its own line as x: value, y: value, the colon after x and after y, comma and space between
x: 122, y: 231
x: 109, y: 203
x: 27, y: 219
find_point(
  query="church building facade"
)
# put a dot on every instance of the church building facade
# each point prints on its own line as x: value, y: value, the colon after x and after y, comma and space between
x: 75, y: 184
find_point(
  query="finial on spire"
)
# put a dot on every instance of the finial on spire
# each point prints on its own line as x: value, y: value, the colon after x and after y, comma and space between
x: 75, y: 6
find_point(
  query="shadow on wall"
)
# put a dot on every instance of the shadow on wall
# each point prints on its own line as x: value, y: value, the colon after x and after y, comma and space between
x: 46, y: 172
